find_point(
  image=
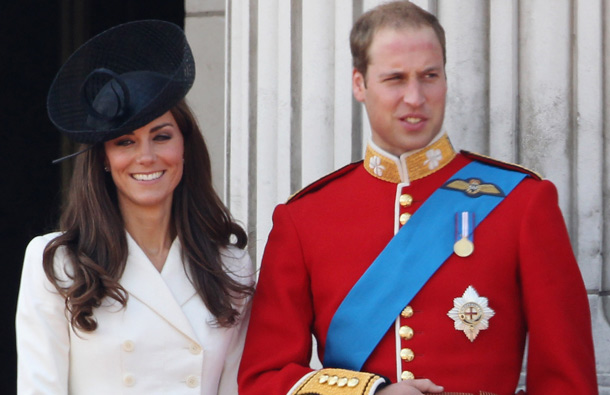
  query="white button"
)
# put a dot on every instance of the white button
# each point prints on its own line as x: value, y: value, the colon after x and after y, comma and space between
x: 192, y: 381
x: 194, y: 348
x: 128, y: 346
x: 129, y: 379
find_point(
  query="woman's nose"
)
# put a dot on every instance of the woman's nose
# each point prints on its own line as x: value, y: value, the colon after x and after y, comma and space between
x: 145, y: 153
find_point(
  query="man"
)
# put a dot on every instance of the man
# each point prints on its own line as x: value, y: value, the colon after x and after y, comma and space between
x: 417, y: 266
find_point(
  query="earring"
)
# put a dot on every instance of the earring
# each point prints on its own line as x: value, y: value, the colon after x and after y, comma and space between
x: 107, y: 169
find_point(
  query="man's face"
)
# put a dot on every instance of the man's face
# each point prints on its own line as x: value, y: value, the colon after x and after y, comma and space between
x: 405, y: 88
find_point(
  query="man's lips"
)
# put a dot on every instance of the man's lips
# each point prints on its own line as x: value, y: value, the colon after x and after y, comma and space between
x: 413, y: 119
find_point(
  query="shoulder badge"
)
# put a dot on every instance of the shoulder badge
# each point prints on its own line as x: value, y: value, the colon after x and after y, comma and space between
x: 506, y: 165
x: 318, y: 184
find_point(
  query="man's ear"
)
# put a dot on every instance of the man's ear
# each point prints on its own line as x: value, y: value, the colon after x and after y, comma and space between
x: 358, y: 85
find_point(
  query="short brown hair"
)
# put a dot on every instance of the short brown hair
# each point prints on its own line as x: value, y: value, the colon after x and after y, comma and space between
x: 396, y: 14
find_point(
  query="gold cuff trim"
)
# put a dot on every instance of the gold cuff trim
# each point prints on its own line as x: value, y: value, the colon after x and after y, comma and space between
x: 413, y: 166
x: 340, y: 382
x: 466, y: 393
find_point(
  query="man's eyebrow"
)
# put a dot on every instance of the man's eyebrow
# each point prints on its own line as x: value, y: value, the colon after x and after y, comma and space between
x: 394, y: 73
x: 391, y: 73
x: 432, y: 68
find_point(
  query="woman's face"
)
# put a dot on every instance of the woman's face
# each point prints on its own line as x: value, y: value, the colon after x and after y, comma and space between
x: 147, y: 164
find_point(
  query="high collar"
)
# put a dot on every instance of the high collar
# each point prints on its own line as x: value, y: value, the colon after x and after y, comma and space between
x: 410, y: 166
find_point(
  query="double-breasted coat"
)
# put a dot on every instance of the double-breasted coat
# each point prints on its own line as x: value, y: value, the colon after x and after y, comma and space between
x: 326, y: 237
x: 163, y: 341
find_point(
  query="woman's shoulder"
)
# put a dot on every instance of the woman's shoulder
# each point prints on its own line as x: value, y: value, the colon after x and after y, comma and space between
x: 35, y: 251
x: 40, y: 242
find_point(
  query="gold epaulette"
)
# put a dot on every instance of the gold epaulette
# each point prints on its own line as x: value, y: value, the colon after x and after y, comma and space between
x: 316, y: 185
x: 506, y: 165
x: 340, y: 382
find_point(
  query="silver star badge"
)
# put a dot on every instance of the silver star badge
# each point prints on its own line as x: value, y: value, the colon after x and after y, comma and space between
x: 471, y: 313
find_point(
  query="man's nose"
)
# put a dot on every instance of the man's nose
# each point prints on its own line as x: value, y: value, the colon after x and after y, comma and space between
x: 413, y: 95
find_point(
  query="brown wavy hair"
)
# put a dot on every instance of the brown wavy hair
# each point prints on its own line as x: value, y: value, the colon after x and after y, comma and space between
x: 395, y: 15
x: 94, y: 240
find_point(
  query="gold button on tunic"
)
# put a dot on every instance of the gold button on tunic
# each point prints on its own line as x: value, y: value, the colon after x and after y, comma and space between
x: 406, y: 375
x: 405, y: 332
x: 407, y: 312
x: 405, y: 200
x: 407, y: 354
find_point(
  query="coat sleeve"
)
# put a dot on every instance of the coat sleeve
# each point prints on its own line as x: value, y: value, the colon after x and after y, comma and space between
x: 279, y: 341
x: 42, y: 330
x: 560, y: 352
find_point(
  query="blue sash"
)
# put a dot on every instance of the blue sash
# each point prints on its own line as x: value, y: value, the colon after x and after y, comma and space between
x: 412, y: 256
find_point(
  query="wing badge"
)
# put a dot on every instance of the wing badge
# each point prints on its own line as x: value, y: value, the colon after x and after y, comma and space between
x: 473, y: 187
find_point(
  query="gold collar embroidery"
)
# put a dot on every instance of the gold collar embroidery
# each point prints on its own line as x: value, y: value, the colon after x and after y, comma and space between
x: 409, y: 166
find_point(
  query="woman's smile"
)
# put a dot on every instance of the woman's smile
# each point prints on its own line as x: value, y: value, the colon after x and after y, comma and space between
x: 148, y: 176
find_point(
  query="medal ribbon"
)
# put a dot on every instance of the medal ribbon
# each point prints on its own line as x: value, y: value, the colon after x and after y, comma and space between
x: 413, y: 255
x: 465, y: 221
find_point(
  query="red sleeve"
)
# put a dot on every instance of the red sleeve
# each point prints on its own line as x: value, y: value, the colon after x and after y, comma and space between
x: 560, y: 355
x: 278, y: 344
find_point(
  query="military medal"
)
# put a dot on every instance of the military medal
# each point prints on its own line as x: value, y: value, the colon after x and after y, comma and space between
x: 471, y: 313
x: 463, y: 246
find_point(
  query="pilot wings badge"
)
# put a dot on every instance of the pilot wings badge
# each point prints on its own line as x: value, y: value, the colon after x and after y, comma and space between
x: 473, y: 187
x: 471, y: 313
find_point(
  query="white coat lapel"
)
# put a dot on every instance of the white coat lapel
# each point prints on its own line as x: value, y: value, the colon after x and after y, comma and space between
x: 143, y: 282
x: 175, y: 277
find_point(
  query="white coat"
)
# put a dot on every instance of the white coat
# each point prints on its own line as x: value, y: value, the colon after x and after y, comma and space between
x: 163, y: 341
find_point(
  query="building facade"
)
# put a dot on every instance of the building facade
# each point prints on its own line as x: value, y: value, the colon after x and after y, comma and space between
x: 528, y: 83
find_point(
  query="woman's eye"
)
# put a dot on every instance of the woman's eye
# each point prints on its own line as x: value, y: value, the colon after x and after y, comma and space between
x: 124, y: 143
x: 162, y: 137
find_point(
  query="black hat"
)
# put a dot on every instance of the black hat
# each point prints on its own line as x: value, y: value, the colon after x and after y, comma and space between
x: 120, y: 80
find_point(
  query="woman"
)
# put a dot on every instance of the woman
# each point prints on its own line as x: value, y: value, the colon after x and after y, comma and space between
x: 146, y: 284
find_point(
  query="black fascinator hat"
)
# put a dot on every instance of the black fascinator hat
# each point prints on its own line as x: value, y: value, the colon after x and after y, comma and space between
x: 120, y: 80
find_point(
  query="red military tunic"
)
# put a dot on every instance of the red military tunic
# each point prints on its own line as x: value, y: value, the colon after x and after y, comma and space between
x: 325, y: 238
